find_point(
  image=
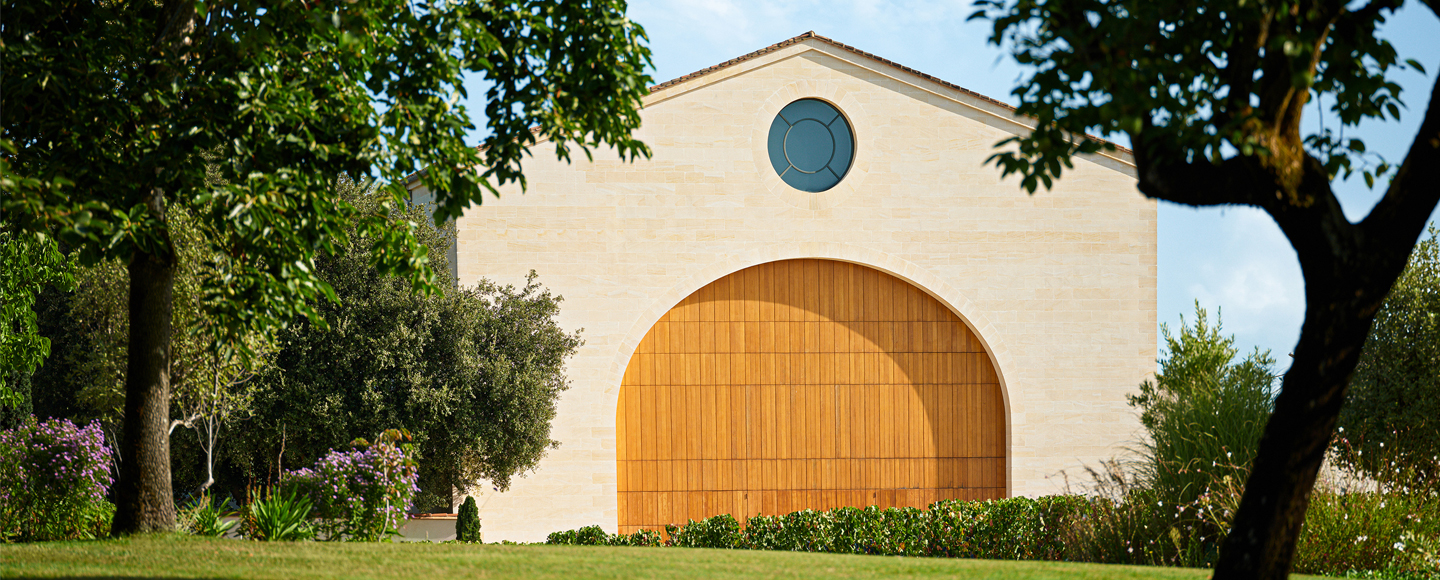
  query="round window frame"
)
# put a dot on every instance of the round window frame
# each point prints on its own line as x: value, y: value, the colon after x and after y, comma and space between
x: 797, y: 182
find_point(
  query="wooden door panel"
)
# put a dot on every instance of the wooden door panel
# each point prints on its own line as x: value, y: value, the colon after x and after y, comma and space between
x: 805, y: 384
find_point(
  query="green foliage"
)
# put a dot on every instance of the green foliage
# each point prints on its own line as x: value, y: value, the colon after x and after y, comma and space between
x: 125, y: 106
x: 474, y: 373
x: 205, y: 517
x: 361, y: 495
x: 1016, y: 528
x: 1396, y: 532
x: 594, y: 536
x: 289, y: 96
x: 1389, y: 429
x: 53, y: 481
x: 1203, y: 416
x: 586, y: 536
x: 209, y: 377
x: 28, y: 262
x: 720, y: 531
x: 1191, y: 78
x: 467, y: 525
x: 1204, y: 412
x: 279, y: 517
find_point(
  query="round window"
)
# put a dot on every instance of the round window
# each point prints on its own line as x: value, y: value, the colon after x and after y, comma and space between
x: 811, y: 145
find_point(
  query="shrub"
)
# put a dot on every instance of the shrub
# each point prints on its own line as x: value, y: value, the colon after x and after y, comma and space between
x: 360, y: 495
x: 721, y: 531
x: 1388, y: 420
x: 279, y: 517
x: 594, y: 536
x: 1395, y: 532
x: 53, y: 481
x: 1016, y: 528
x: 586, y: 536
x: 1204, y: 412
x: 205, y: 517
x: 467, y: 526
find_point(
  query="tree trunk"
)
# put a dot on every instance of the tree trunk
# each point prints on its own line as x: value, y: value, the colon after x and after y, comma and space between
x: 144, y: 501
x: 1266, y: 529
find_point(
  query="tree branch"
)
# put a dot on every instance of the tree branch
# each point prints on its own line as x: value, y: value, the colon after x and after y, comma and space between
x: 188, y: 422
x: 1164, y: 174
x: 1415, y: 189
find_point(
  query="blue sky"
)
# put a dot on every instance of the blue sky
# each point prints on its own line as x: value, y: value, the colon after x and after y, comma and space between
x: 1233, y: 258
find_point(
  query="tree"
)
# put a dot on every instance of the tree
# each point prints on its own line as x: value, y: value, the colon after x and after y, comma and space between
x: 109, y: 108
x: 28, y: 262
x: 1392, y: 405
x: 1211, y: 95
x: 90, y: 328
x: 474, y: 373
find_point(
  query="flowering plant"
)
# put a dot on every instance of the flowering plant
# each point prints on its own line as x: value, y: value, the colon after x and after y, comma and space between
x: 53, y: 481
x: 363, y: 494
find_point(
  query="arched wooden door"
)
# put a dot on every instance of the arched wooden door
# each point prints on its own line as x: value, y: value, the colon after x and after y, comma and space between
x: 805, y: 384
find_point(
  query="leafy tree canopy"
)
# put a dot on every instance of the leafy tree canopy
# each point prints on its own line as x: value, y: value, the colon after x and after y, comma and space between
x: 1211, y: 96
x: 110, y: 102
x: 111, y: 107
x: 28, y: 262
x: 474, y: 373
x: 1390, y: 425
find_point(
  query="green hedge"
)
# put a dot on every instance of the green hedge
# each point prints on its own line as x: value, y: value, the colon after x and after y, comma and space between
x: 1015, y: 529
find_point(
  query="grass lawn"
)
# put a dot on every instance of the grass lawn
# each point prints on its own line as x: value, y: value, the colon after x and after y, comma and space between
x: 173, y: 556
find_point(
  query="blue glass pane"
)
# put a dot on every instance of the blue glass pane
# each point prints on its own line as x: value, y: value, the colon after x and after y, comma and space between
x: 844, y: 147
x: 776, y: 145
x: 809, y: 145
x: 809, y: 109
x: 812, y: 182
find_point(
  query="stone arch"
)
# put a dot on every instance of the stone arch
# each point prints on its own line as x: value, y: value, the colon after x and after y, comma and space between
x: 807, y: 383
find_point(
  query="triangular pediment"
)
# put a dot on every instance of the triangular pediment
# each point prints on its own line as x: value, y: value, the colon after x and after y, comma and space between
x: 812, y: 42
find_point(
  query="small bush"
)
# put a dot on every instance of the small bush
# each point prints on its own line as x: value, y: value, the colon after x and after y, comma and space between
x: 467, y: 526
x: 279, y: 517
x: 205, y: 517
x: 1394, y: 532
x: 1016, y: 528
x: 53, y: 481
x: 721, y: 531
x: 1204, y: 412
x: 360, y: 495
x: 594, y: 536
x: 586, y: 536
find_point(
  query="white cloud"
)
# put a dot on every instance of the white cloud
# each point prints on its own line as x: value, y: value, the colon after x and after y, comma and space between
x: 1235, y: 260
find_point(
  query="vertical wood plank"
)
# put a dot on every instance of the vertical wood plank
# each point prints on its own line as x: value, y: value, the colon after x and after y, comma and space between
x: 622, y: 448
x: 693, y: 434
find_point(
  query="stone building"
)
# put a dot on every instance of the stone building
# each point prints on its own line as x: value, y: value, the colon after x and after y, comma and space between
x: 815, y: 294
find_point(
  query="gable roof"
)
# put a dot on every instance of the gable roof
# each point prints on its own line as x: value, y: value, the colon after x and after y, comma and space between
x: 810, y: 35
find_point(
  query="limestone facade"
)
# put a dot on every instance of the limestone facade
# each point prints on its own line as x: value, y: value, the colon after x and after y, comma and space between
x: 1060, y: 286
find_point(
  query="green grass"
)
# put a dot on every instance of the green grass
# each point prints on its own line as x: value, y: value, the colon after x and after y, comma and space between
x: 169, y: 556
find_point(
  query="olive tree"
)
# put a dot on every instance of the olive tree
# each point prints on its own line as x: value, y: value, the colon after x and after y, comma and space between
x: 1211, y: 96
